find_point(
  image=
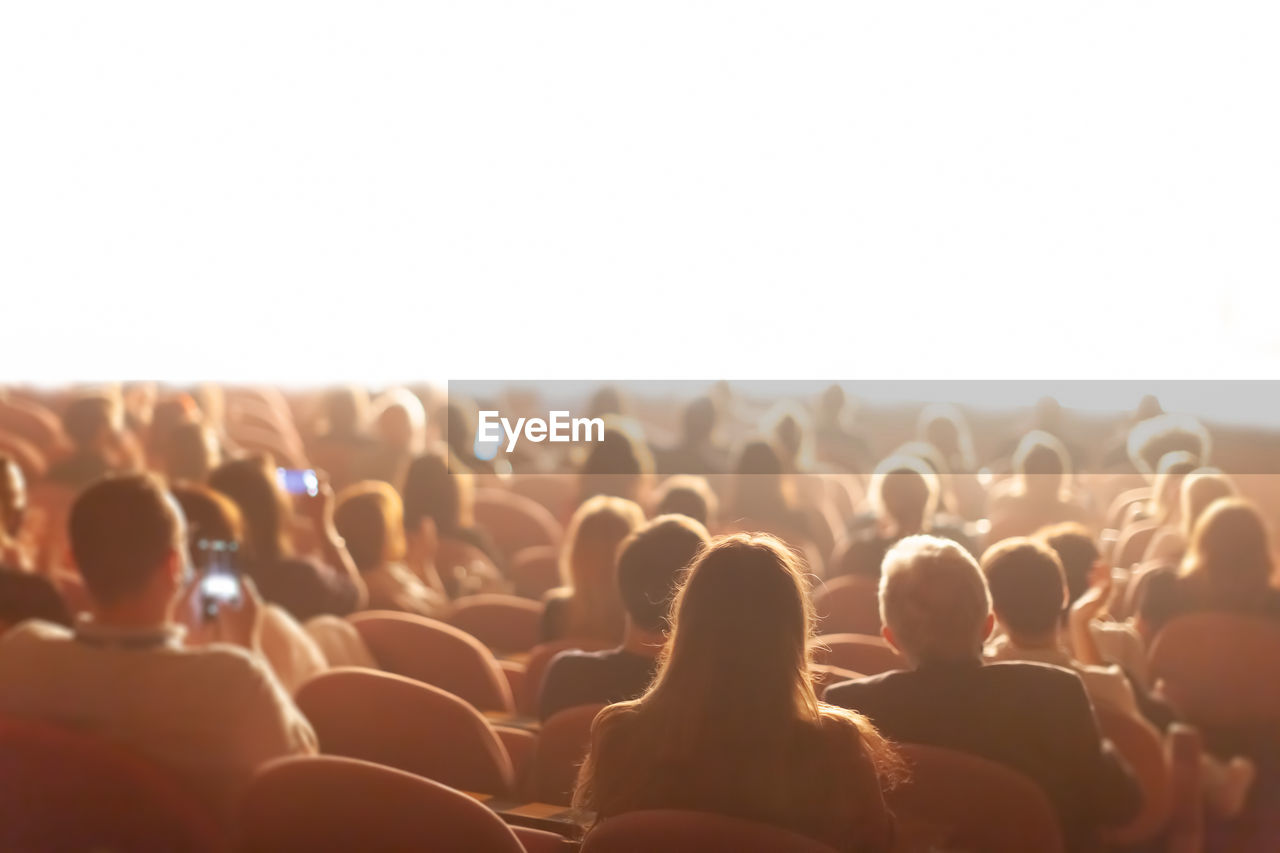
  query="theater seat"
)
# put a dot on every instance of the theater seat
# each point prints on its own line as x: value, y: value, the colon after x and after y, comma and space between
x: 535, y: 571
x: 562, y: 745
x: 507, y: 624
x: 848, y: 605
x: 858, y: 652
x: 514, y: 521
x: 957, y: 801
x: 340, y: 642
x: 399, y: 722
x: 674, y: 831
x: 62, y: 790
x: 325, y: 803
x: 436, y: 653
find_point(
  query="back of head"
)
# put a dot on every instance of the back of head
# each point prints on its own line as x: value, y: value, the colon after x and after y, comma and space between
x: 251, y: 483
x: 191, y: 452
x: 209, y: 514
x: 369, y: 518
x: 1028, y: 589
x: 123, y: 531
x: 1150, y: 440
x: 437, y: 486
x: 1230, y: 548
x: 1201, y: 488
x: 1167, y: 487
x: 399, y: 419
x: 590, y: 551
x: 1076, y: 550
x: 904, y: 490
x: 86, y: 419
x: 618, y: 464
x: 1042, y: 463
x: 345, y: 411
x: 934, y: 600
x: 685, y: 494
x: 699, y: 421
x: 13, y: 497
x: 944, y: 426
x: 651, y: 562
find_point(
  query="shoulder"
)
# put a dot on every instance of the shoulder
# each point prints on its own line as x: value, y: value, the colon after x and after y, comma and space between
x: 34, y: 632
x: 847, y: 693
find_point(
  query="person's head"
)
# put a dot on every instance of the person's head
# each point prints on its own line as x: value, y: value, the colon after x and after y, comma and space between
x: 698, y: 422
x: 128, y: 541
x: 651, y: 562
x: 1152, y: 439
x: 192, y: 452
x: 344, y: 411
x: 1230, y: 549
x: 944, y: 426
x: 904, y: 494
x: 209, y: 514
x: 399, y: 420
x: 589, y: 555
x: 934, y: 601
x: 686, y: 494
x: 1028, y: 587
x: 438, y: 486
x: 617, y: 465
x: 13, y: 497
x: 790, y: 432
x: 1076, y: 550
x: 369, y: 517
x: 1042, y: 464
x: 93, y: 422
x: 251, y: 483
x: 1167, y: 488
x: 1201, y: 488
x: 170, y: 413
x: 760, y: 488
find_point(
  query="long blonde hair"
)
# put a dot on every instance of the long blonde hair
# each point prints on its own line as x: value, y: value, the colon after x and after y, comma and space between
x: 1230, y: 551
x: 588, y: 565
x: 735, y: 668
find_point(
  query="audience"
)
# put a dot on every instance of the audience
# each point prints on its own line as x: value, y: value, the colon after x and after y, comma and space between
x: 650, y: 565
x: 23, y: 593
x: 303, y: 586
x: 1034, y: 718
x: 731, y: 723
x: 587, y: 606
x: 207, y: 706
x: 95, y: 426
x: 1040, y: 492
x: 697, y: 451
x: 688, y: 495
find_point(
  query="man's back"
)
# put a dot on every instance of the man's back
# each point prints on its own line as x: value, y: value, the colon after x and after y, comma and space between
x: 589, y: 678
x: 1032, y: 717
x: 210, y: 715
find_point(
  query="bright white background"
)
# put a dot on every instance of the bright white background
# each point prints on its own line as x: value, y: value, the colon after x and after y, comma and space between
x: 387, y: 191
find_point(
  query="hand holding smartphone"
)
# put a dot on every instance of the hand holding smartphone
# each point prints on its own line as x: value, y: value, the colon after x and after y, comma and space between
x: 298, y: 481
x: 219, y: 578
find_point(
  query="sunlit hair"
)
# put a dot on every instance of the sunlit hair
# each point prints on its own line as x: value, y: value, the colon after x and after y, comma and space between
x: 1027, y: 583
x: 689, y: 495
x: 904, y: 490
x: 209, y: 514
x: 735, y: 669
x: 251, y: 483
x: 588, y: 564
x: 619, y: 464
x: 1167, y: 486
x: 1043, y: 464
x: 1077, y: 550
x: 399, y: 418
x: 370, y: 518
x: 1199, y: 489
x: 1230, y: 550
x: 1151, y: 439
x: 934, y: 599
x: 943, y: 425
x: 438, y: 486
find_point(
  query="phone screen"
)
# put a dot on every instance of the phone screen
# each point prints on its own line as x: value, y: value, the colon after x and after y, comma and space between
x: 298, y: 481
x: 219, y: 578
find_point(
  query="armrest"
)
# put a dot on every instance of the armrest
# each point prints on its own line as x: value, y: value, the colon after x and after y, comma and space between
x: 519, y: 745
x: 1186, y: 821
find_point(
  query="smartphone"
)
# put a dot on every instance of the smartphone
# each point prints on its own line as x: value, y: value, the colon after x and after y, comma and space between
x: 219, y: 577
x: 298, y: 481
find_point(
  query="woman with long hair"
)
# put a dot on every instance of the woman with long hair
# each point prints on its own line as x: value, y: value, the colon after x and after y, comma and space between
x: 588, y: 605
x: 1228, y: 567
x: 731, y: 723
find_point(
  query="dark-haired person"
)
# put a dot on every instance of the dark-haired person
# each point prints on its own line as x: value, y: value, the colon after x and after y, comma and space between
x: 697, y: 452
x: 1032, y: 717
x: 339, y: 438
x: 1040, y: 492
x: 619, y: 465
x: 731, y: 724
x: 23, y: 594
x: 210, y: 714
x: 304, y: 587
x: 650, y: 563
x: 685, y: 494
x: 369, y: 517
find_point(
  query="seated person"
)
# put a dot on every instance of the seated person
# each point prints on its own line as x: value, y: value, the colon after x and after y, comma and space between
x: 686, y: 494
x: 1032, y: 717
x: 731, y: 724
x: 95, y: 427
x: 210, y: 714
x: 23, y: 593
x: 1039, y: 494
x: 650, y: 563
x: 370, y: 519
x: 305, y: 587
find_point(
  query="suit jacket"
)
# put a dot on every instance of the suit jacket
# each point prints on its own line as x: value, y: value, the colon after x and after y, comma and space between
x: 1032, y: 717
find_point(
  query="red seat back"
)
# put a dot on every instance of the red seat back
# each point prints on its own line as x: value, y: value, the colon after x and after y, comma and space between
x: 858, y: 652
x: 674, y: 831
x: 848, y: 605
x: 396, y: 721
x: 562, y: 745
x: 1220, y: 669
x: 62, y: 790
x: 504, y: 623
x: 514, y: 521
x: 535, y: 571
x: 956, y: 801
x: 435, y: 653
x: 327, y: 803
